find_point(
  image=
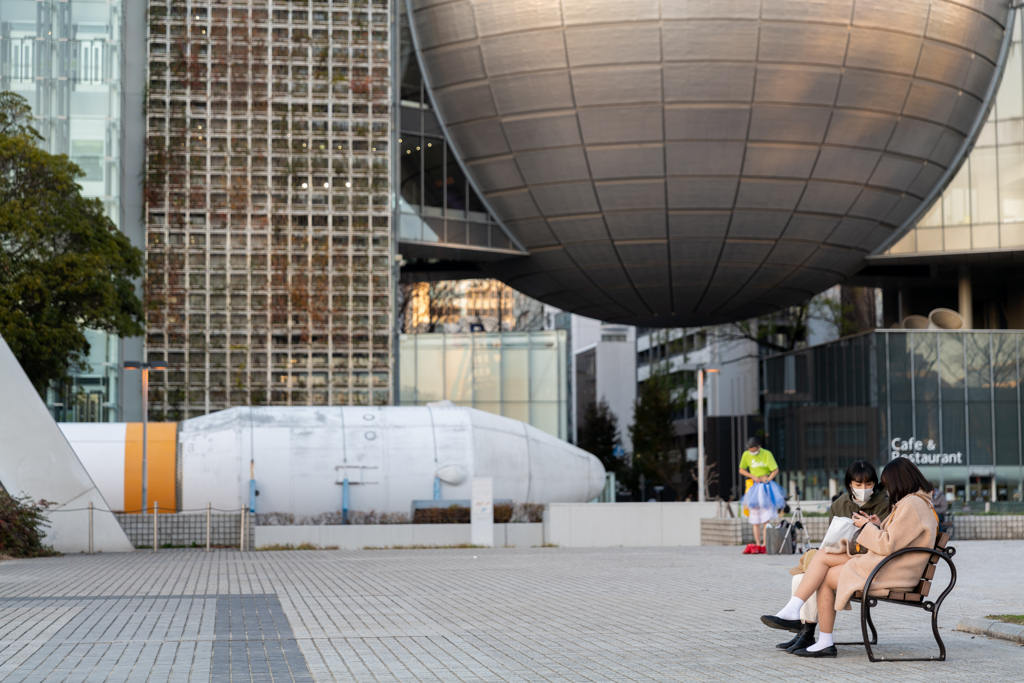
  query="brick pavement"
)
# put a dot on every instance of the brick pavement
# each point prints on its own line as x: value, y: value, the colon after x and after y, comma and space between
x: 543, y: 614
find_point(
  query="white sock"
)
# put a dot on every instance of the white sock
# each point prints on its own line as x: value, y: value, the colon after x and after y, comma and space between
x: 792, y: 609
x: 824, y: 640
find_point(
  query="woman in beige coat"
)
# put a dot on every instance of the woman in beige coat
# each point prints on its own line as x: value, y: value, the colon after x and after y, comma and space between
x: 837, y: 575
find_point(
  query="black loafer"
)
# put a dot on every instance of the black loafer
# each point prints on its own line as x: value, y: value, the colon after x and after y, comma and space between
x: 791, y: 625
x: 790, y: 643
x: 804, y: 639
x: 829, y: 651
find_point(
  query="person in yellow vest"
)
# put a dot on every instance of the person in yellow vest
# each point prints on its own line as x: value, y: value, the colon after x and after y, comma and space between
x: 759, y: 467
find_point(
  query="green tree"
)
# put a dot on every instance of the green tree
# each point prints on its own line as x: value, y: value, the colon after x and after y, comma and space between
x: 64, y: 266
x: 599, y: 434
x: 656, y: 455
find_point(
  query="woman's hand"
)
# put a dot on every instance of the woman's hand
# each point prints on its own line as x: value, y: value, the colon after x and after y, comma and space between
x: 860, y: 519
x: 875, y: 520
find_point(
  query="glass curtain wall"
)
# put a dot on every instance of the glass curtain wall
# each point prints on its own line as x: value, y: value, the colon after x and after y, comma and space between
x: 64, y: 57
x: 950, y: 401
x: 982, y: 209
x: 521, y: 375
x: 435, y: 201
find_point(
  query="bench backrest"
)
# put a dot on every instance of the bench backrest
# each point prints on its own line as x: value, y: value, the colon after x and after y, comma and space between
x: 925, y: 584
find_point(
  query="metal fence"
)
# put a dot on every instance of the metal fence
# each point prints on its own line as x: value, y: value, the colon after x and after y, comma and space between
x: 202, y: 528
x: 188, y: 529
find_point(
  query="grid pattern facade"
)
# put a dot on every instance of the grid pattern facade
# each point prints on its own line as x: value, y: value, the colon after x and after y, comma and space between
x: 269, y: 278
x: 982, y: 209
x: 674, y: 163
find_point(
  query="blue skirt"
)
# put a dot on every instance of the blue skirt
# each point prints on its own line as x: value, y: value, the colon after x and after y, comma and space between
x: 765, y: 496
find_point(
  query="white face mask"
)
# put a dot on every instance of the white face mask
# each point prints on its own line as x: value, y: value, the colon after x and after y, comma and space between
x: 861, y: 495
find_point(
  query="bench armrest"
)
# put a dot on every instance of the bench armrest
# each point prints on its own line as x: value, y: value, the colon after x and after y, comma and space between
x: 945, y: 554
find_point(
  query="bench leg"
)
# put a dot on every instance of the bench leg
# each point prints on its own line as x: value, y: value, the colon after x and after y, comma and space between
x: 865, y: 623
x: 865, y: 620
x: 935, y: 630
x: 871, y: 626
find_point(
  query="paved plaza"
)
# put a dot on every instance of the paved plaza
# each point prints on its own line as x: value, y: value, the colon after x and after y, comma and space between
x: 541, y: 614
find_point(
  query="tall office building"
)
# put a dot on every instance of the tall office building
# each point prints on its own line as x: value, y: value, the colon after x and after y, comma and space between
x: 269, y: 277
x: 65, y: 59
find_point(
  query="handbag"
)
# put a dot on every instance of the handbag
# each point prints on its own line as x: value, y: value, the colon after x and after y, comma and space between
x: 840, y: 528
x: 855, y: 547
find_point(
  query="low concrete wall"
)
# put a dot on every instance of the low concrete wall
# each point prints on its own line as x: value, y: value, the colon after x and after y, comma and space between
x: 737, y: 531
x: 606, y: 525
x: 725, y: 531
x: 988, y: 527
x: 356, y: 536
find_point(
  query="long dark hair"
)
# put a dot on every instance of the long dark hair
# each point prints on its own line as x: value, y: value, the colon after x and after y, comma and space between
x: 862, y: 472
x: 901, y: 478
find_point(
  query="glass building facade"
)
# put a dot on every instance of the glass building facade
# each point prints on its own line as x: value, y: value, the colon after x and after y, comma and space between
x: 437, y: 205
x: 64, y: 57
x: 521, y: 375
x: 950, y: 401
x: 982, y: 209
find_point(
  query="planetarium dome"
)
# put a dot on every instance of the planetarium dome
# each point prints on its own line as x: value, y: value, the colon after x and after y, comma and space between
x: 683, y: 162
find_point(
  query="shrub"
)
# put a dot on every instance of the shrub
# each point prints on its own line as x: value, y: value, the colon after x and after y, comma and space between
x: 453, y: 514
x: 354, y: 517
x: 21, y: 527
x: 504, y: 513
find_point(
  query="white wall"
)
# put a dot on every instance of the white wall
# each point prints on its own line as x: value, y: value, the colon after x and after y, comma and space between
x: 36, y: 460
x: 357, y: 536
x: 616, y: 383
x: 733, y: 390
x: 100, y: 448
x: 609, y: 525
x: 616, y: 369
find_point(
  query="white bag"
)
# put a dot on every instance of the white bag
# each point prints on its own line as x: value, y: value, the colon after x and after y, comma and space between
x: 840, y: 528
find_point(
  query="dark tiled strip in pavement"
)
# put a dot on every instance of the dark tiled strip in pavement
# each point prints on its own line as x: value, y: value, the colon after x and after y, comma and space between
x: 252, y: 635
x: 252, y: 641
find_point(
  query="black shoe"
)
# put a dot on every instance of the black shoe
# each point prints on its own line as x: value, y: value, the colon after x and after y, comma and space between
x: 829, y: 651
x: 790, y: 643
x: 791, y: 625
x: 804, y: 639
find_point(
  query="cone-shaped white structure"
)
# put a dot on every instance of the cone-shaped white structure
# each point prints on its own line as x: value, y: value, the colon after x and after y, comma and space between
x: 391, y: 456
x: 37, y: 461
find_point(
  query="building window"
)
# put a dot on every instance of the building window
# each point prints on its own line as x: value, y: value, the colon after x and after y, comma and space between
x: 816, y: 435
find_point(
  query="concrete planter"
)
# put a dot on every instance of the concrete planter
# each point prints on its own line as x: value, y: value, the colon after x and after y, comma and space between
x: 737, y: 531
x: 357, y: 536
x: 609, y: 525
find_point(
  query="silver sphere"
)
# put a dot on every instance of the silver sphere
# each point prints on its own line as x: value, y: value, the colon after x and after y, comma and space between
x: 683, y: 162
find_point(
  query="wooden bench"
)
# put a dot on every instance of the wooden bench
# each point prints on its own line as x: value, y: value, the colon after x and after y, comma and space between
x: 913, y: 598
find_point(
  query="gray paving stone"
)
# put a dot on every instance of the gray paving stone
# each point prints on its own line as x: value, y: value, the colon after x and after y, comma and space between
x: 654, y: 614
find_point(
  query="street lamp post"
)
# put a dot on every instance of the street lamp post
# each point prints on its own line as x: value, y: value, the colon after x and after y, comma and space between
x: 700, y: 432
x: 145, y: 367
